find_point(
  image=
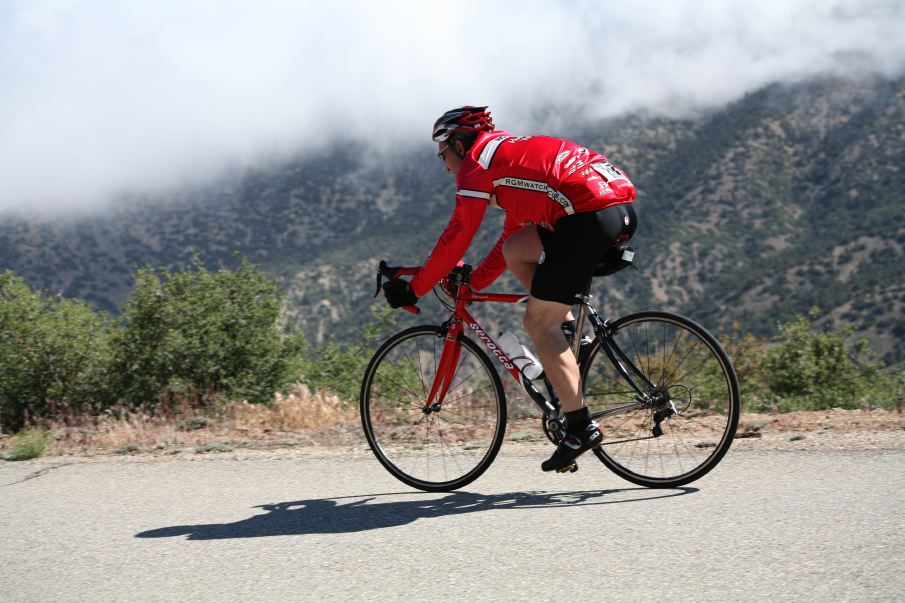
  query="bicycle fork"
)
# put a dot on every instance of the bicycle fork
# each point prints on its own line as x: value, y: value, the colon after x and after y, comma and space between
x: 446, y: 369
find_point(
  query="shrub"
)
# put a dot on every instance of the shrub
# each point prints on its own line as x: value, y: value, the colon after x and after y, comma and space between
x: 203, y: 335
x: 804, y: 368
x: 748, y: 355
x: 812, y: 369
x: 29, y: 443
x: 55, y: 355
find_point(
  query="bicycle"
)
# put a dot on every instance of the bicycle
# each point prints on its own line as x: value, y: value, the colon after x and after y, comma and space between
x: 434, y: 411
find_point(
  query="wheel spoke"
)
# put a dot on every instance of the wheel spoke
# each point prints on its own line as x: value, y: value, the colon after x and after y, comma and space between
x: 686, y: 367
x: 450, y: 444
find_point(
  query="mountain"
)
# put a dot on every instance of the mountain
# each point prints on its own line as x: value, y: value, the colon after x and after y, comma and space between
x: 790, y: 198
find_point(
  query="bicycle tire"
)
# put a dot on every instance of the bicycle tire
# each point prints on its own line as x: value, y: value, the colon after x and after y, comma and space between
x: 438, y: 449
x: 681, y: 358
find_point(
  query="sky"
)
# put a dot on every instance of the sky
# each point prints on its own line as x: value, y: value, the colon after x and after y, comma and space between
x: 100, y: 100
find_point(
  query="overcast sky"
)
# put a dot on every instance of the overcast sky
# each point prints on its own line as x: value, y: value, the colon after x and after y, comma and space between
x: 100, y: 97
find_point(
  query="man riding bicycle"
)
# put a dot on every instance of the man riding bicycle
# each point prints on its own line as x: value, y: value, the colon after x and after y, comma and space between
x: 565, y: 207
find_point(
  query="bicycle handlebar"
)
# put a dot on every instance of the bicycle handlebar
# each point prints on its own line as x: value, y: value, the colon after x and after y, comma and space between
x: 391, y: 272
x: 395, y: 271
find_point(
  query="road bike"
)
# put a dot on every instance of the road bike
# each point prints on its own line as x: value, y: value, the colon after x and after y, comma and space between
x: 433, y: 407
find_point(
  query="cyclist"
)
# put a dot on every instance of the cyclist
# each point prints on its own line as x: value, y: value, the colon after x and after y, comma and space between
x: 565, y: 207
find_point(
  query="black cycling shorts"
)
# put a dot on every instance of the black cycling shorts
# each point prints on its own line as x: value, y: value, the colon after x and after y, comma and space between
x: 575, y: 247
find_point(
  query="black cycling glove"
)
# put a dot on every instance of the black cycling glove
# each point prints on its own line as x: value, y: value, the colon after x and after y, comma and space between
x: 399, y: 293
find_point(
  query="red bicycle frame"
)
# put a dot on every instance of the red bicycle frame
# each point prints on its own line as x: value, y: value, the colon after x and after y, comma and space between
x: 452, y: 347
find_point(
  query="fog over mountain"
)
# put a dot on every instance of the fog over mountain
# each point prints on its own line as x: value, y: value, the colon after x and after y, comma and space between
x: 100, y: 99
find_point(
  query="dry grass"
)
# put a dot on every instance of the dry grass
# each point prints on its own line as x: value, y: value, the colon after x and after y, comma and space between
x: 297, y: 418
x: 304, y: 418
x: 299, y: 410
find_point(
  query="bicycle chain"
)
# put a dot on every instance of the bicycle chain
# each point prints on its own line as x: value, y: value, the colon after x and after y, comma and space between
x: 650, y: 437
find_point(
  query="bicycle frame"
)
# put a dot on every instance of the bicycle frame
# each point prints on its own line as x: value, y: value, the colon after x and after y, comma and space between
x: 454, y: 328
x: 449, y: 358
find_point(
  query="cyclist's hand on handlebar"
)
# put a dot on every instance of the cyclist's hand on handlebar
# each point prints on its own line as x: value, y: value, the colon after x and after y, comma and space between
x: 399, y: 293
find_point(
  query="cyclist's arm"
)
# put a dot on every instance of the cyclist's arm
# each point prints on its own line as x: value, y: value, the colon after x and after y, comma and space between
x: 453, y: 243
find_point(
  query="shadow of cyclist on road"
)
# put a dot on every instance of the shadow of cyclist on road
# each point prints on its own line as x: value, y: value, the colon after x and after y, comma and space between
x: 342, y: 515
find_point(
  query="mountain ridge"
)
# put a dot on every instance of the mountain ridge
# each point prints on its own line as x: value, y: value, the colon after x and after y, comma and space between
x: 789, y: 198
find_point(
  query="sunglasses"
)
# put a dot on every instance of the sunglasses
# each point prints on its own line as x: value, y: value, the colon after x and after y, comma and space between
x: 442, y: 151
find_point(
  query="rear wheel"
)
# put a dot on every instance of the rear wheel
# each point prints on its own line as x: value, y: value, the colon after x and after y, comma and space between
x: 691, y: 397
x: 449, y: 443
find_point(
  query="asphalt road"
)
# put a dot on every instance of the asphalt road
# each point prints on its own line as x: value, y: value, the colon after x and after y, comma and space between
x: 782, y: 526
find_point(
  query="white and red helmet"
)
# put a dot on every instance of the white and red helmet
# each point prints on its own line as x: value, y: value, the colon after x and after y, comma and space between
x: 464, y: 120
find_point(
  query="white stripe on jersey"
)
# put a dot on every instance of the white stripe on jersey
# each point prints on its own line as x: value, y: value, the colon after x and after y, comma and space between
x: 489, y: 150
x: 476, y: 194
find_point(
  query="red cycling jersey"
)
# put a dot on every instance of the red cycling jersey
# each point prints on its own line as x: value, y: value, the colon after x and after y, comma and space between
x: 536, y: 180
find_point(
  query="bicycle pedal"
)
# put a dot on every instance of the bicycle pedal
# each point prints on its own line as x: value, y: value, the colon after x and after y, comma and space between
x: 568, y: 468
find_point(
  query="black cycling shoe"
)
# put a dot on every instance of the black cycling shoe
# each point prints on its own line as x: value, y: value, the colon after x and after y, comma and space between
x: 573, y: 445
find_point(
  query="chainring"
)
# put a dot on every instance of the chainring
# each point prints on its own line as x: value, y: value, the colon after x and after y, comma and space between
x: 553, y: 429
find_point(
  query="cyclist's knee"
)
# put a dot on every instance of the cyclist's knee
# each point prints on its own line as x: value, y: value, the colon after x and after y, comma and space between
x: 542, y: 316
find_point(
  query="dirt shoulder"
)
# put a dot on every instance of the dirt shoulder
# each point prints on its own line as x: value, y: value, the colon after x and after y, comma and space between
x: 834, y: 429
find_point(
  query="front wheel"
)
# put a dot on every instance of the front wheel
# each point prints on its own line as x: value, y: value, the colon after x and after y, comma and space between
x: 439, y: 446
x: 691, y: 397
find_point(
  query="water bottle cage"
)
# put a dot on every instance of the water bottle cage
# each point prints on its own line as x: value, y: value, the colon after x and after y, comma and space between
x: 521, y: 367
x: 528, y: 364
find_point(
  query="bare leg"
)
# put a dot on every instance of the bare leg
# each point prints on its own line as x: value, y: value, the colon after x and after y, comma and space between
x: 542, y: 321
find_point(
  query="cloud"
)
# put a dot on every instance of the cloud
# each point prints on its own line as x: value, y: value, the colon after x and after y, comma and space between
x: 102, y: 98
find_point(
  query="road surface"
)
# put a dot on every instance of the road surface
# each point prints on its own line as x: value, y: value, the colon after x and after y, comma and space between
x: 763, y: 525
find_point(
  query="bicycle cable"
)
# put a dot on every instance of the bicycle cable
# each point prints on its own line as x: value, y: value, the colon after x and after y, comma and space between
x: 442, y: 299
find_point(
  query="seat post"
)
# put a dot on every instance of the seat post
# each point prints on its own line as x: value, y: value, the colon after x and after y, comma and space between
x: 582, y: 301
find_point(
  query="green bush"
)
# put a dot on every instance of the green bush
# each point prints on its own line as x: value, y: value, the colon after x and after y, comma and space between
x: 191, y: 334
x: 55, y: 355
x: 811, y: 369
x: 29, y: 443
x: 203, y: 335
x: 805, y: 368
x: 748, y: 354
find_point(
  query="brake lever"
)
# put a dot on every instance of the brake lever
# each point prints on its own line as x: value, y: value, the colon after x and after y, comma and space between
x: 380, y: 268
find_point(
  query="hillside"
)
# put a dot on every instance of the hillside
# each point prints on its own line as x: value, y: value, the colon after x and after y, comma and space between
x: 790, y: 198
